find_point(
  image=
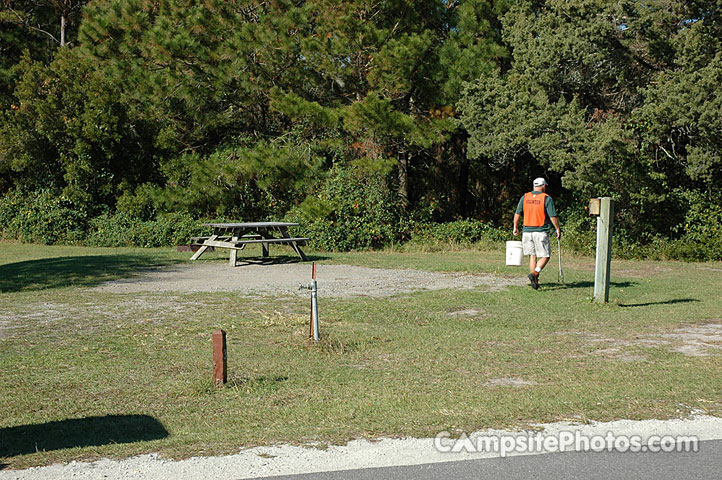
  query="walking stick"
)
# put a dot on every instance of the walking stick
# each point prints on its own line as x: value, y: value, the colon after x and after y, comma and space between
x: 560, y: 275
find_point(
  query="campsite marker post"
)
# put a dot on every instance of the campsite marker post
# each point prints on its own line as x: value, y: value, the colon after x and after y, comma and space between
x: 220, y: 358
x: 604, y: 208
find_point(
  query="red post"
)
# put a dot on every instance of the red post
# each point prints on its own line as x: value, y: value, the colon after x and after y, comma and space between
x: 220, y: 358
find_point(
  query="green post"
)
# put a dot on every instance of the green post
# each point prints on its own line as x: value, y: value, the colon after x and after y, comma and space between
x: 604, y: 250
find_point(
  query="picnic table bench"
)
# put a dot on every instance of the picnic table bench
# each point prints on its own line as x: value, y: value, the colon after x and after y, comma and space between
x: 235, y: 236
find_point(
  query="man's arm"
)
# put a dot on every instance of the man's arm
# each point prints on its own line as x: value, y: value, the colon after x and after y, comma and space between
x: 555, y: 222
x: 517, y: 215
x: 552, y: 213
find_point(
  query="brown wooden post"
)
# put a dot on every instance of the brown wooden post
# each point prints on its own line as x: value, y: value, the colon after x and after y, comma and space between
x: 605, y: 224
x: 220, y: 358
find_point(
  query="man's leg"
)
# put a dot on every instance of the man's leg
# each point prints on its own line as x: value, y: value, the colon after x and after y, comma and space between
x: 542, y: 262
x: 528, y: 243
x: 542, y: 248
x: 533, y: 275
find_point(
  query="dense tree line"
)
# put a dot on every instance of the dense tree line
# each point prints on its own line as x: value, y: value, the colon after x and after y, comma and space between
x: 436, y: 110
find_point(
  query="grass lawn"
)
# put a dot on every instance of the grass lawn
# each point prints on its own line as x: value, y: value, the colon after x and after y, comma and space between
x: 87, y: 374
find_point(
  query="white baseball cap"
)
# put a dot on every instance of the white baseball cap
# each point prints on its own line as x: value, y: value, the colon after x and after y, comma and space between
x: 538, y: 182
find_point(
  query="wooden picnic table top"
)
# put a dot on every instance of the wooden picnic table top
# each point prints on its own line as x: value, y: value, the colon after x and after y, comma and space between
x: 251, y: 225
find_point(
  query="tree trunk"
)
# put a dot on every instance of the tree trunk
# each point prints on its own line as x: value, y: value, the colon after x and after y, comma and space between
x: 404, y: 161
x: 62, y: 30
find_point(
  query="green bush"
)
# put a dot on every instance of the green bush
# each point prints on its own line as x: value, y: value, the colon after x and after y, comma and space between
x: 354, y: 210
x: 579, y: 231
x: 41, y: 217
x: 702, y: 239
x: 463, y: 232
x: 121, y: 230
x: 139, y: 204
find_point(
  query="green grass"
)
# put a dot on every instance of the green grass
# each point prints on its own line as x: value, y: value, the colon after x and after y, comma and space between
x: 76, y: 364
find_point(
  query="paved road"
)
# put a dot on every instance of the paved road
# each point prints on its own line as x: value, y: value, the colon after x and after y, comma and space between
x: 702, y: 465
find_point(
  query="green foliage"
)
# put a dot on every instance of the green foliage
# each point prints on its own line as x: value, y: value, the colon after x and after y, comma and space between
x: 460, y: 232
x: 32, y: 27
x: 120, y: 230
x: 580, y: 231
x: 70, y: 131
x: 473, y: 48
x: 702, y: 229
x: 41, y: 217
x: 353, y: 210
x: 249, y: 182
x: 139, y: 204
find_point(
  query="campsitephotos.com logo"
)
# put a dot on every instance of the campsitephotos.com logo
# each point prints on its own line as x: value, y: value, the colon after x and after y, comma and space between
x: 565, y: 441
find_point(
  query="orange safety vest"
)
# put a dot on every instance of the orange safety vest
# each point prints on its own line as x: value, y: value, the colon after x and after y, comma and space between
x: 534, y: 212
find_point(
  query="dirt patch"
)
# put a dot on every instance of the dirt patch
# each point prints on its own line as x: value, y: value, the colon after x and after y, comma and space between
x: 285, y: 279
x: 469, y: 312
x: 4, y: 326
x: 693, y: 341
x: 508, y: 382
x: 61, y: 318
x: 619, y: 355
x: 697, y: 341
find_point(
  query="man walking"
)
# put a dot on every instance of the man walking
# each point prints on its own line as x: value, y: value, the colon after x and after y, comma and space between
x: 539, y: 214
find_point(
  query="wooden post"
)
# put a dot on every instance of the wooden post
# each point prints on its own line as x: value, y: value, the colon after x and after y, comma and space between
x: 234, y: 253
x: 605, y: 222
x: 220, y: 358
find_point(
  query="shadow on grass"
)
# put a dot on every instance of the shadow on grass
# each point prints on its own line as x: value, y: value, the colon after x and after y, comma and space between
x: 79, y: 432
x: 71, y: 271
x: 668, y: 302
x: 563, y: 286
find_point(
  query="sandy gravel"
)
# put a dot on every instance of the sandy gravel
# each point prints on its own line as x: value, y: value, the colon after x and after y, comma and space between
x: 285, y: 279
x: 286, y: 459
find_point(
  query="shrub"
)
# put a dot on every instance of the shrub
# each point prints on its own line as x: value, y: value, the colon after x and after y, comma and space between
x: 702, y: 239
x: 463, y: 232
x: 579, y: 232
x: 41, y: 217
x: 138, y: 204
x: 121, y: 230
x: 354, y: 210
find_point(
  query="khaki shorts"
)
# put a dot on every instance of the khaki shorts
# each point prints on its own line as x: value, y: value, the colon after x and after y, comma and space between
x: 536, y: 243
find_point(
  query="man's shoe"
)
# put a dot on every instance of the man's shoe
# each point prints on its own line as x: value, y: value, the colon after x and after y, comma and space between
x: 534, y: 279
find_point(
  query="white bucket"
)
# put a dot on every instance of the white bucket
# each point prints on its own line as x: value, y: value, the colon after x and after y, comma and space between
x: 514, y: 253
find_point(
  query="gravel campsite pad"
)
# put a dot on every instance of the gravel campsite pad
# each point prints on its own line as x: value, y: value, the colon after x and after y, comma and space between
x: 284, y: 280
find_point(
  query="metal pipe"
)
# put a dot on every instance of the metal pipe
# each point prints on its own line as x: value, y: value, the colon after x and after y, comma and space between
x: 314, y: 309
x: 313, y: 286
x: 560, y: 276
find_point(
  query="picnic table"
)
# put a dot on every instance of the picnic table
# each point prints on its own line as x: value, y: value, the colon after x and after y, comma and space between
x: 235, y: 236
